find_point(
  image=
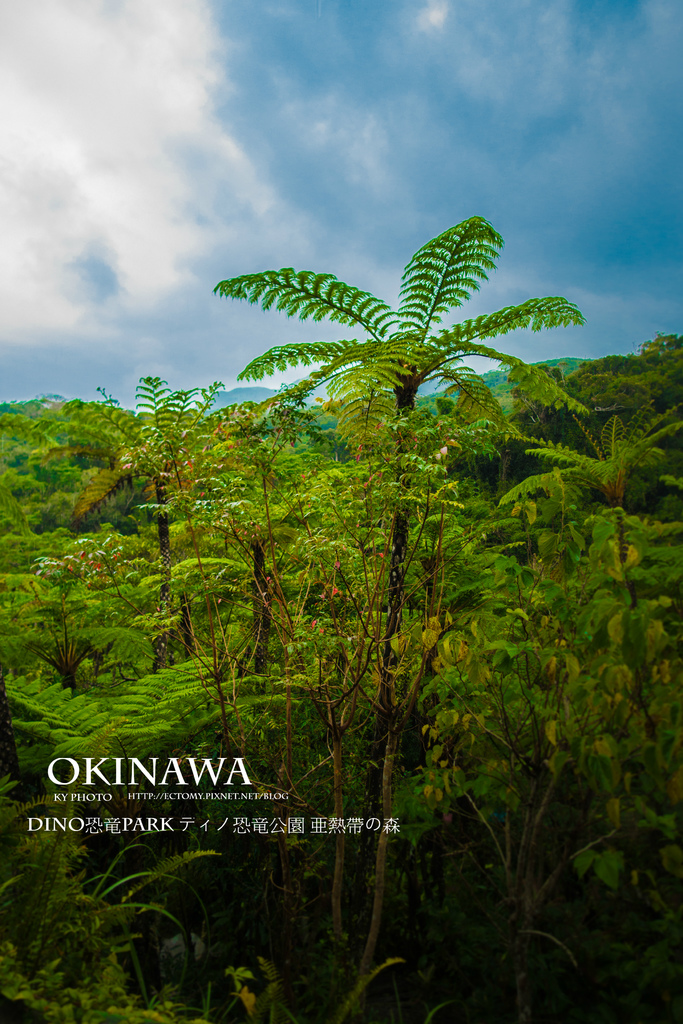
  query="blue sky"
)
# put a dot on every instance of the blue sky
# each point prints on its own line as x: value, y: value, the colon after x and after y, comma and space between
x: 148, y: 150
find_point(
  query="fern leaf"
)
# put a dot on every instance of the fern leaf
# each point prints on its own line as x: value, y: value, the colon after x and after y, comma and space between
x: 307, y: 295
x: 531, y: 485
x: 475, y: 400
x: 279, y: 358
x: 170, y: 866
x: 534, y: 314
x: 271, y: 999
x: 446, y: 271
x: 461, y: 340
x: 351, y: 1001
x: 103, y: 485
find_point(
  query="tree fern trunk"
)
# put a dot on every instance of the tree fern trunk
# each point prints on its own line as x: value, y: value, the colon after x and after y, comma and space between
x: 399, y: 548
x: 405, y: 393
x: 161, y: 646
x: 374, y: 787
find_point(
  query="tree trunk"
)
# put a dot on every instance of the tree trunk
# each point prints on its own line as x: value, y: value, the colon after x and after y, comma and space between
x: 9, y: 761
x: 520, y: 959
x: 399, y: 549
x: 339, y: 852
x: 186, y: 629
x: 374, y: 786
x: 381, y: 861
x: 262, y: 615
x: 161, y: 646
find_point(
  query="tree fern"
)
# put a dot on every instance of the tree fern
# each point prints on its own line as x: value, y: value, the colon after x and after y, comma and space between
x: 156, y: 444
x: 102, y: 486
x: 618, y: 452
x: 162, y: 709
x: 399, y: 353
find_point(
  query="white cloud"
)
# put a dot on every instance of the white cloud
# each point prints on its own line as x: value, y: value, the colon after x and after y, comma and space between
x: 433, y: 15
x: 111, y: 157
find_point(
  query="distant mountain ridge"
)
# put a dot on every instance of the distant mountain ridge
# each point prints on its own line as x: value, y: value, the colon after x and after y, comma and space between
x: 496, y: 380
x: 238, y: 395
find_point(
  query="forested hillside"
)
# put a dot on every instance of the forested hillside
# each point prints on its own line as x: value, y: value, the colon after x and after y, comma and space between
x: 444, y: 642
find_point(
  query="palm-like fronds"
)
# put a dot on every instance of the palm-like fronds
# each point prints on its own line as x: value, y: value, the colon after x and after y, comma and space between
x: 279, y: 358
x: 308, y: 295
x: 446, y: 271
x: 103, y: 485
x: 620, y: 450
x: 399, y: 354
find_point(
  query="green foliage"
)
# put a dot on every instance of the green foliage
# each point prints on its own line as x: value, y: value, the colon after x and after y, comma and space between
x: 270, y: 1004
x: 12, y: 509
x: 620, y: 450
x: 335, y: 597
x: 399, y: 353
x: 445, y: 272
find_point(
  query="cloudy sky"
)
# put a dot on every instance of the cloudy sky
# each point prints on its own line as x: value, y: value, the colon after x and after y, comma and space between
x: 150, y: 148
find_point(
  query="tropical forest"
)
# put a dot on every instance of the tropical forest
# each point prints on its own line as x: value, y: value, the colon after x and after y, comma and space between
x: 359, y: 702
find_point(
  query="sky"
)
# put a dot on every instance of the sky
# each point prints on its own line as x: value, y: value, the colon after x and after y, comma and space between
x: 150, y: 149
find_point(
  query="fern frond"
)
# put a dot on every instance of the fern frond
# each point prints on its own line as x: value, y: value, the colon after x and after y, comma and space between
x: 475, y: 400
x: 272, y: 998
x: 531, y: 485
x: 99, y: 421
x: 534, y: 314
x: 282, y: 356
x: 103, y: 485
x: 170, y: 866
x: 362, y: 413
x: 307, y: 295
x: 612, y: 435
x: 351, y: 1001
x: 459, y: 341
x: 446, y: 271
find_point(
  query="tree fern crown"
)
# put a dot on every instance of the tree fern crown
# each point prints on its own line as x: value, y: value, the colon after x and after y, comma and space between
x: 400, y: 350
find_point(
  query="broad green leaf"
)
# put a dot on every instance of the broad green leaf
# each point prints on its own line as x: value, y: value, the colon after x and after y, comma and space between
x: 584, y: 861
x: 557, y: 761
x: 674, y: 787
x: 672, y: 859
x: 547, y: 544
x: 614, y: 811
x: 607, y: 866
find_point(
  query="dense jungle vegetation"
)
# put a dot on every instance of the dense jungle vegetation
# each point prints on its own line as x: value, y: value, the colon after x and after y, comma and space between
x: 449, y: 633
